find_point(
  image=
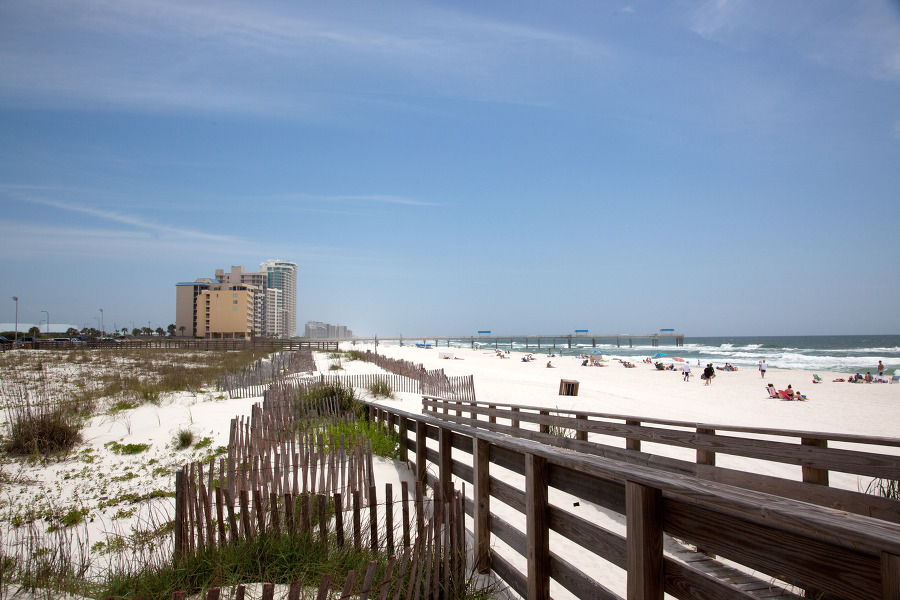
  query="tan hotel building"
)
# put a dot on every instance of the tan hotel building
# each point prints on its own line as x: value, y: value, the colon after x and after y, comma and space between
x: 208, y: 309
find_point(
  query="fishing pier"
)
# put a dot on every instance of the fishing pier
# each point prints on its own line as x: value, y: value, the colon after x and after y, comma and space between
x: 537, y: 341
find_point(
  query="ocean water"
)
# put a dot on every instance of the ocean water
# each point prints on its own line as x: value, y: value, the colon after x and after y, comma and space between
x: 841, y: 353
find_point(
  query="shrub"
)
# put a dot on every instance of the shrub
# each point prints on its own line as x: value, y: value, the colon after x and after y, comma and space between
x: 42, y: 429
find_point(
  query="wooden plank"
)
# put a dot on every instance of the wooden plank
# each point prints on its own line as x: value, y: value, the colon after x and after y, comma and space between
x: 537, y: 528
x: 644, y: 542
x: 794, y: 558
x: 683, y: 582
x: 577, y: 582
x: 601, y: 542
x: 878, y: 507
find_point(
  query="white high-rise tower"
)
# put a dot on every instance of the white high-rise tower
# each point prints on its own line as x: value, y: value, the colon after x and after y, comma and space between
x: 281, y: 297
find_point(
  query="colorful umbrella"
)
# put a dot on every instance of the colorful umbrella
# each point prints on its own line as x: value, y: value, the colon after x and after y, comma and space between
x: 659, y: 355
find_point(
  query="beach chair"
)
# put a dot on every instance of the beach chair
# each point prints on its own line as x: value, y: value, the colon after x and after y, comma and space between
x: 895, y: 379
x: 817, y: 379
x: 772, y: 392
x: 783, y: 395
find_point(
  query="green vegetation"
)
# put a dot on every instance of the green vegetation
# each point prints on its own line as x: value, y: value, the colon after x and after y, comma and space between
x: 184, y: 437
x: 277, y: 560
x: 384, y: 444
x: 381, y: 388
x: 42, y: 429
x: 126, y: 448
x: 888, y: 488
x: 343, y: 394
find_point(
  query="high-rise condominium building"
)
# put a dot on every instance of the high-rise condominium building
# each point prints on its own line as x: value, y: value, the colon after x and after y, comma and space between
x: 281, y: 297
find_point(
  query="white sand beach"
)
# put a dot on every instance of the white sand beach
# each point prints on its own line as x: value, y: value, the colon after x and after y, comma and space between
x: 94, y: 476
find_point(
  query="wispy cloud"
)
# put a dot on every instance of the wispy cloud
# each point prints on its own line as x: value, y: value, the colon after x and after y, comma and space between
x: 112, y: 216
x: 289, y: 61
x: 862, y: 38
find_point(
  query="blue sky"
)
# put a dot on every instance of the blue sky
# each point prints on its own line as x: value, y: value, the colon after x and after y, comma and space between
x: 722, y: 168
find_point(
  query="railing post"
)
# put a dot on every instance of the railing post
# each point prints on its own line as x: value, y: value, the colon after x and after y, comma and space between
x: 644, y: 542
x: 515, y: 422
x: 421, y: 445
x: 537, y: 527
x: 445, y: 457
x: 631, y: 443
x: 404, y: 442
x: 482, y: 497
x: 890, y: 576
x: 543, y: 427
x: 812, y: 474
x: 706, y: 457
x: 492, y: 418
x: 581, y: 434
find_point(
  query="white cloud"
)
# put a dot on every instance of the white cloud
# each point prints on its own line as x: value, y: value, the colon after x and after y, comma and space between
x: 254, y: 58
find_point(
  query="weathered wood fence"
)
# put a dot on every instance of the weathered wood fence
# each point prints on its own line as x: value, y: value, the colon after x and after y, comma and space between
x: 432, y: 565
x: 284, y: 474
x: 826, y: 552
x: 810, y: 452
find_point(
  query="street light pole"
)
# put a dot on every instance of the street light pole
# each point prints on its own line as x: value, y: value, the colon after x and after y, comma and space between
x: 16, y: 299
x: 102, y: 328
x: 48, y: 320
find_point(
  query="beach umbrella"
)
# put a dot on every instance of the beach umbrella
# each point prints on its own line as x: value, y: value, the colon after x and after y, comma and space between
x: 596, y: 352
x: 659, y: 355
x: 678, y: 358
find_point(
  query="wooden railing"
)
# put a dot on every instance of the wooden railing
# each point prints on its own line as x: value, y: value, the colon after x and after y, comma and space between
x: 817, y: 549
x: 808, y: 451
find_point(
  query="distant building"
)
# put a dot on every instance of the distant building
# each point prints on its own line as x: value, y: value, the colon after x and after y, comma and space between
x: 317, y: 330
x: 225, y: 310
x: 257, y: 282
x: 186, y: 322
x: 239, y: 304
x: 281, y: 297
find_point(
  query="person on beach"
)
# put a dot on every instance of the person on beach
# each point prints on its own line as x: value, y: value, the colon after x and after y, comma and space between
x: 687, y: 371
x: 790, y: 392
x: 708, y: 373
x: 549, y: 366
x: 762, y: 368
x: 880, y: 368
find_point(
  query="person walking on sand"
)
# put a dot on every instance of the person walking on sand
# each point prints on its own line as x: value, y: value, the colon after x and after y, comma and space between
x: 708, y: 373
x: 880, y: 368
x: 686, y: 369
x: 762, y: 369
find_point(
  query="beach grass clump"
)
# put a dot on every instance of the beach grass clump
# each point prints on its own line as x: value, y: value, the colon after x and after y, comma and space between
x: 42, y: 429
x: 183, y: 439
x: 381, y: 388
x: 343, y: 395
x: 268, y: 558
x: 886, y: 488
x: 384, y: 443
